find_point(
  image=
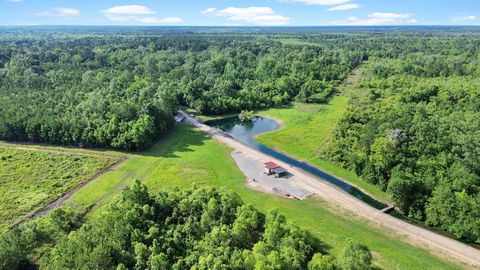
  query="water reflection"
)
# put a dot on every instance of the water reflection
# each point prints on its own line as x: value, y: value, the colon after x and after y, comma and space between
x: 246, y: 132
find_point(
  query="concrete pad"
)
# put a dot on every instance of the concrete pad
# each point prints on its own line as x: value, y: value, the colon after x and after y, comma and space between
x: 284, y: 186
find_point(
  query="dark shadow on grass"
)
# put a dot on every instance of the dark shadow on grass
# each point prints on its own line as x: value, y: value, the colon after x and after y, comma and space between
x: 180, y: 139
x: 317, y: 244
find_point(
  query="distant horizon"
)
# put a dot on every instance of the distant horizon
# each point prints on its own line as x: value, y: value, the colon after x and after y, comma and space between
x: 240, y: 13
x: 239, y: 26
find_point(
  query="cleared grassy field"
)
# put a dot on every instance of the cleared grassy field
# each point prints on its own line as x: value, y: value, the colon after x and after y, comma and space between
x: 30, y: 179
x: 184, y: 157
x: 188, y: 156
x: 307, y: 129
x: 306, y: 132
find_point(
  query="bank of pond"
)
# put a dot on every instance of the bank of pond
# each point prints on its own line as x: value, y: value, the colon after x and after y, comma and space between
x: 245, y: 132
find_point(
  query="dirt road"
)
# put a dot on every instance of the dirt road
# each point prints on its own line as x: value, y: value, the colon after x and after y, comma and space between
x: 59, y: 201
x: 438, y: 244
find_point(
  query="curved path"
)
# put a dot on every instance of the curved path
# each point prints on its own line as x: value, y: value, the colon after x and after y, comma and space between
x: 440, y: 245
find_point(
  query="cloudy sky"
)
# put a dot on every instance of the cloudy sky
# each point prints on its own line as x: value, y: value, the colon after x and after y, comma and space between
x: 240, y: 12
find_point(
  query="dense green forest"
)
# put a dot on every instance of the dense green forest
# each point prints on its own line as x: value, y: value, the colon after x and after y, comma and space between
x: 121, y: 91
x: 412, y: 126
x: 198, y: 228
x: 413, y: 129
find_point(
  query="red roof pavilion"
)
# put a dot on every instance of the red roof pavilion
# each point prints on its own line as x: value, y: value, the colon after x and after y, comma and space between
x: 271, y: 165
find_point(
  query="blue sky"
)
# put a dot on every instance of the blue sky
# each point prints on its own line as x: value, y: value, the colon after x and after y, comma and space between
x: 240, y: 12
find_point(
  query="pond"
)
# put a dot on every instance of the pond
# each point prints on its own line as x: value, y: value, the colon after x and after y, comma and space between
x: 245, y: 132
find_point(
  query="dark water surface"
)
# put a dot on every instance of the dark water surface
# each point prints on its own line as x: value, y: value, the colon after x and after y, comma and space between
x: 246, y: 131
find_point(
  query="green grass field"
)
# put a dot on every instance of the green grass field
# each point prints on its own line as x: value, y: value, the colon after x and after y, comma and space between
x: 306, y: 132
x: 188, y: 156
x: 29, y: 179
x: 184, y: 157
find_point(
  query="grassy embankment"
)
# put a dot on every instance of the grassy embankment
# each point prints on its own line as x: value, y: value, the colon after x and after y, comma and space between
x: 30, y: 179
x: 306, y: 132
x: 188, y: 156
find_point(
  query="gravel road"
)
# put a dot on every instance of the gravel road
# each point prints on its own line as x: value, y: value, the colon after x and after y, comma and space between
x: 440, y: 245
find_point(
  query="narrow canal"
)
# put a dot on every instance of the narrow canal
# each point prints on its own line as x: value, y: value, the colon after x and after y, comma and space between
x: 246, y: 132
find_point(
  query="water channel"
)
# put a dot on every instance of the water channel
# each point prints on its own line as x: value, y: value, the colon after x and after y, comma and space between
x: 245, y: 132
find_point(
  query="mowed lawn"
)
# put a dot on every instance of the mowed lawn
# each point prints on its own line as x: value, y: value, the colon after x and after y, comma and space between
x: 188, y: 156
x: 30, y: 179
x: 306, y: 132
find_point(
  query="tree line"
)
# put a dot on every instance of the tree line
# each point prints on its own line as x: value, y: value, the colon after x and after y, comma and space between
x: 197, y: 228
x: 412, y: 129
x: 120, y: 91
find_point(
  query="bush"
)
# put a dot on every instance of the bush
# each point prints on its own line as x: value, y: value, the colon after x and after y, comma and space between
x: 354, y: 256
x: 199, y: 228
x: 246, y: 116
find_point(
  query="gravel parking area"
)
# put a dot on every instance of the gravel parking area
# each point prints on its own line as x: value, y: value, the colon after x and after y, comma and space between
x: 284, y: 186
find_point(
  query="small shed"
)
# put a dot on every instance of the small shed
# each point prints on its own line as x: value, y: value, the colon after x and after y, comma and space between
x: 279, y: 172
x: 269, y: 167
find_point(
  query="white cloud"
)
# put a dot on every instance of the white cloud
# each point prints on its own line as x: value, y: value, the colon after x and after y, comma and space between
x: 14, y: 1
x: 464, y: 18
x: 264, y: 16
x: 137, y: 14
x: 128, y: 10
x: 319, y: 2
x: 208, y: 10
x: 249, y: 11
x: 380, y: 18
x: 59, y: 12
x: 67, y: 12
x: 344, y: 7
